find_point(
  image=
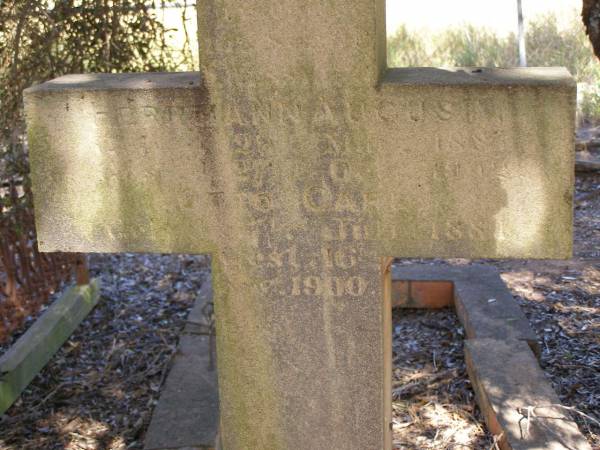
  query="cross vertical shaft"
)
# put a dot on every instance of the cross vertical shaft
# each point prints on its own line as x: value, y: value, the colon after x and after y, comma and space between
x: 290, y: 82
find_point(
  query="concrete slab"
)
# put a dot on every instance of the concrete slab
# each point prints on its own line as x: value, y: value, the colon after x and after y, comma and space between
x: 438, y: 272
x: 487, y: 309
x: 507, y: 380
x: 187, y: 414
x: 200, y: 320
x: 483, y: 303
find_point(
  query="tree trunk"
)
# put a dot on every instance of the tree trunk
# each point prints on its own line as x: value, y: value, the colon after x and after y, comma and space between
x: 591, y: 20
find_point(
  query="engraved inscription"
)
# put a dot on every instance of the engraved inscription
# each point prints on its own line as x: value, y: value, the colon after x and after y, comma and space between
x: 354, y: 286
x: 309, y: 237
x: 150, y: 115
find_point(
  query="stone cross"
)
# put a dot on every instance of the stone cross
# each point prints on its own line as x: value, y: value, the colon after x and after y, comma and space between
x: 301, y: 163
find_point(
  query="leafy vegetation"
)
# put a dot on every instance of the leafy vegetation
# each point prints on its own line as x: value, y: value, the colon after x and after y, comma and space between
x: 547, y: 45
x: 43, y: 39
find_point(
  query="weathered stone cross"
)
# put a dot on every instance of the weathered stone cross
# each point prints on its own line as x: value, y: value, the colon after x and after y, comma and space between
x: 300, y: 163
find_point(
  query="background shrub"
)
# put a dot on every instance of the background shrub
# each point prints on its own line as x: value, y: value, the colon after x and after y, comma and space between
x: 547, y: 45
x: 43, y: 39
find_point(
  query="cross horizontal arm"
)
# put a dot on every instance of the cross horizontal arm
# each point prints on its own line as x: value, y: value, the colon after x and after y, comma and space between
x: 475, y: 162
x: 470, y: 162
x: 115, y: 163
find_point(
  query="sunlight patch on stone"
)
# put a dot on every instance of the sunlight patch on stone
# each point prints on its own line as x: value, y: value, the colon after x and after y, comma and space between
x: 520, y: 223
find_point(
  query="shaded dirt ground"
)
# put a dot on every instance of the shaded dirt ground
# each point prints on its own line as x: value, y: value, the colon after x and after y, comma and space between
x: 98, y: 392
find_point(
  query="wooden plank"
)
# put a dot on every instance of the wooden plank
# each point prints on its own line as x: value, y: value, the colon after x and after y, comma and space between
x: 22, y: 362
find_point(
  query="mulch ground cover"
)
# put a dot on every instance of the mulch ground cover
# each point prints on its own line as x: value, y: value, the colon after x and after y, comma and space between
x: 99, y: 390
x: 432, y: 399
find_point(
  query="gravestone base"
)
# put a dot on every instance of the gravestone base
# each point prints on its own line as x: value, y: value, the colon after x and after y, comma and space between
x: 500, y: 353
